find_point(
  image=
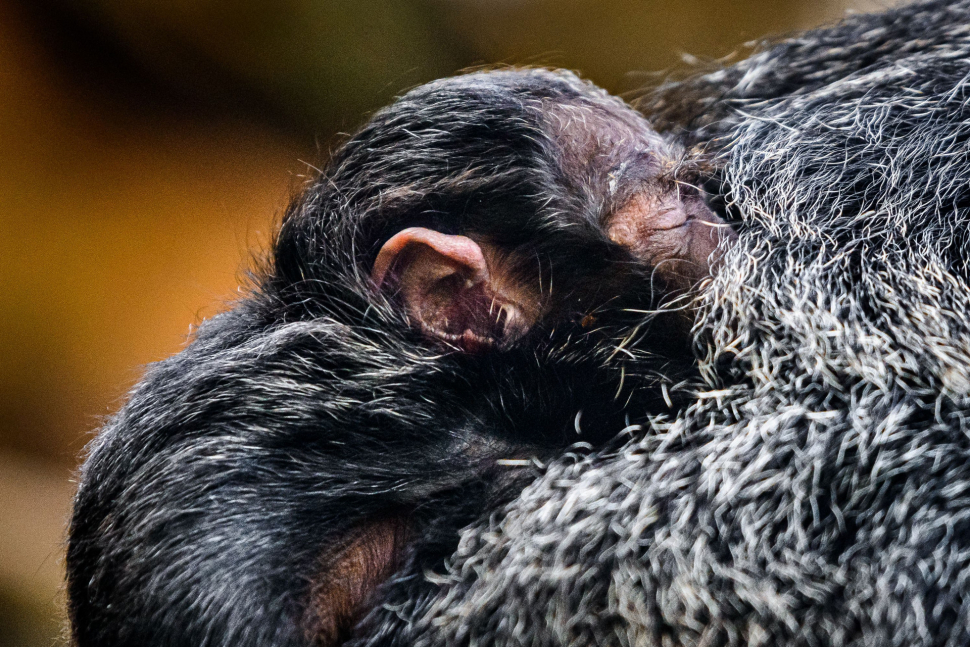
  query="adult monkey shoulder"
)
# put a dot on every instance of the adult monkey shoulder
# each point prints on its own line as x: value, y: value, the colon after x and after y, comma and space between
x: 467, y: 275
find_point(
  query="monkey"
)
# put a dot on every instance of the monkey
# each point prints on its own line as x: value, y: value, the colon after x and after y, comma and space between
x: 815, y: 492
x: 495, y: 267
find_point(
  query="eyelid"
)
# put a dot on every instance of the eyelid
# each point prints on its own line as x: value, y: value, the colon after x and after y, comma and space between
x: 630, y: 189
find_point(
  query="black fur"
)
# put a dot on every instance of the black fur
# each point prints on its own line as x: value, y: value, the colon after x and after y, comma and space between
x: 312, y: 406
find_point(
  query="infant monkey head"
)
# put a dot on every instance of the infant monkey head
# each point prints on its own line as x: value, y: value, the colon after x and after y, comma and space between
x: 491, y: 204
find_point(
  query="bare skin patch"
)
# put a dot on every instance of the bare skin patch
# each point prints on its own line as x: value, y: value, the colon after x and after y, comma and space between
x: 352, y: 573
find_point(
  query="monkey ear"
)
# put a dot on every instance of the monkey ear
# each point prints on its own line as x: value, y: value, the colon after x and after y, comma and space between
x: 449, y: 291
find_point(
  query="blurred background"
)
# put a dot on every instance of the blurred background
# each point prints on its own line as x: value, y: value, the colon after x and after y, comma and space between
x: 148, y: 148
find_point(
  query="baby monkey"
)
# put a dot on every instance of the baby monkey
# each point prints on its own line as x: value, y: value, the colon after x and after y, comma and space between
x: 483, y: 275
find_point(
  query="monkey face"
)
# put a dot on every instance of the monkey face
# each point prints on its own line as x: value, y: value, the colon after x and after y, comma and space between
x: 649, y: 191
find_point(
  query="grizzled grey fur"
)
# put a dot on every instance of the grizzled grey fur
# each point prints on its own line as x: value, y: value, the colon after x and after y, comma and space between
x: 818, y: 492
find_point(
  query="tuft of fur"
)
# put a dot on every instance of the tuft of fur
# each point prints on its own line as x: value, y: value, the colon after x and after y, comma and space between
x: 818, y: 491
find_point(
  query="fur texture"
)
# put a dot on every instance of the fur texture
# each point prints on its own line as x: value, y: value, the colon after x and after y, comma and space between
x: 313, y: 408
x: 818, y: 491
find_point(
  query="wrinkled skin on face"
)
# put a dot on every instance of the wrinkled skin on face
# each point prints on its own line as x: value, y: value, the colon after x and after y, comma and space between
x: 652, y: 207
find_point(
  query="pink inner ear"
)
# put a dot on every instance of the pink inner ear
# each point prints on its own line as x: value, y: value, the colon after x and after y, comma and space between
x: 458, y: 249
x: 446, y: 289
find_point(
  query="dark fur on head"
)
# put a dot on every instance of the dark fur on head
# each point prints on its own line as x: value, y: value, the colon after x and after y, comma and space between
x: 818, y: 492
x: 208, y: 505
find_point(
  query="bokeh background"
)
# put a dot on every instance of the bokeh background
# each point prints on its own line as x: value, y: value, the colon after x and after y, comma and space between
x: 148, y: 148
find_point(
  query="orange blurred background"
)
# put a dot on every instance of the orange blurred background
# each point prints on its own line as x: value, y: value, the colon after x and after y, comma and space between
x: 148, y: 148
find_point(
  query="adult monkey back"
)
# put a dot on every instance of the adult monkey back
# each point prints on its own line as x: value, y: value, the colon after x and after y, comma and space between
x: 819, y: 493
x: 470, y: 280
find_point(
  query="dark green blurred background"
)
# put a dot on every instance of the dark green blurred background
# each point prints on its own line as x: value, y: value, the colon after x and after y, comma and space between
x: 146, y: 148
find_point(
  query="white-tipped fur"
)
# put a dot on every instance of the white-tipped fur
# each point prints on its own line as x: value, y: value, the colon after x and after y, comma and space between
x: 819, y: 492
